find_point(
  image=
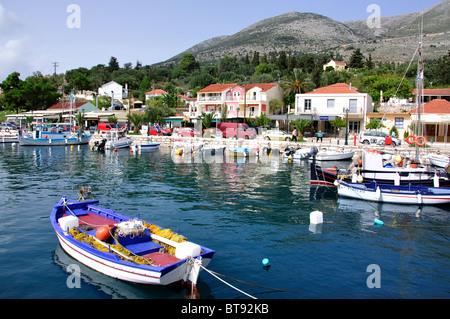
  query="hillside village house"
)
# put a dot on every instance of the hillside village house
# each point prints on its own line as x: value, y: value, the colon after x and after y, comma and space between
x: 328, y: 103
x: 242, y: 101
x: 154, y: 93
x: 337, y: 65
x: 114, y: 90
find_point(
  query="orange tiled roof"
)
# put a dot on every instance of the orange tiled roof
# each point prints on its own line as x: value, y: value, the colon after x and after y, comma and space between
x: 434, y: 107
x: 434, y: 92
x: 217, y: 88
x: 338, y: 88
x: 157, y: 91
x: 60, y: 106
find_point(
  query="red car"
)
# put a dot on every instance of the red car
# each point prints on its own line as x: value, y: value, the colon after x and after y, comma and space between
x: 188, y: 132
x: 164, y: 132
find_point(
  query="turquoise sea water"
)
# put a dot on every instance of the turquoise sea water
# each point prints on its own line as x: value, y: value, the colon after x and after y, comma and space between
x: 244, y: 211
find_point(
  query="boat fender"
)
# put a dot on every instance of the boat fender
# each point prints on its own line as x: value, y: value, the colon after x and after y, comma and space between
x: 336, y: 183
x: 378, y: 193
x: 411, y: 139
x: 360, y: 179
x: 419, y: 198
x: 436, y: 180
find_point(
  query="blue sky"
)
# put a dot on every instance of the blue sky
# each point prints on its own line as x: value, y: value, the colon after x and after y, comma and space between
x: 34, y: 34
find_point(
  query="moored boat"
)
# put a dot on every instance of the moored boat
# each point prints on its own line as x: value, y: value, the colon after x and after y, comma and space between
x: 53, y: 135
x: 142, y: 148
x: 334, y: 155
x: 439, y: 160
x: 382, y: 169
x: 404, y: 194
x: 128, y: 249
x: 117, y: 139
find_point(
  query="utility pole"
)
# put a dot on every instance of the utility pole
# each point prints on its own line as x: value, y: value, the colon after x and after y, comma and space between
x: 55, y: 64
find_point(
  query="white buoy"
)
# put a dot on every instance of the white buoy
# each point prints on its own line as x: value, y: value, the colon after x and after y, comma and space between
x: 316, y: 218
x: 436, y: 180
x: 397, y: 179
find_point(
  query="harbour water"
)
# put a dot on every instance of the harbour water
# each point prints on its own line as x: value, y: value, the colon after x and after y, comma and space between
x: 245, y: 211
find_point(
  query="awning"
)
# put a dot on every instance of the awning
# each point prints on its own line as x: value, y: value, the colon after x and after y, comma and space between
x: 285, y: 117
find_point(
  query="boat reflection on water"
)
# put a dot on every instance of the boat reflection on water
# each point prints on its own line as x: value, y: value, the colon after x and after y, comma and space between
x: 118, y: 289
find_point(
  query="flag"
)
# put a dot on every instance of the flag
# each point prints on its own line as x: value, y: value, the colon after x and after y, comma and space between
x: 420, y: 76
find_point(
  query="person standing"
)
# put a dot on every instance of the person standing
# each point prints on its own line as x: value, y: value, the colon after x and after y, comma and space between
x: 294, y: 135
x: 319, y: 135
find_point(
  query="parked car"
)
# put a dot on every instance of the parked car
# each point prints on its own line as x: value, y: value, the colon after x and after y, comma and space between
x: 277, y: 135
x: 188, y: 132
x: 106, y: 126
x: 229, y: 130
x: 377, y: 137
x: 162, y: 131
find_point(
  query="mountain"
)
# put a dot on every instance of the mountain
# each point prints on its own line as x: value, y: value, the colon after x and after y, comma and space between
x: 299, y: 33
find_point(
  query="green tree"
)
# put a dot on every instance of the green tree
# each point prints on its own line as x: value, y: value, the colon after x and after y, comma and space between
x: 356, y: 60
x: 374, y: 124
x: 169, y: 100
x: 13, y: 99
x: 338, y: 123
x: 207, y: 119
x: 228, y: 64
x: 301, y: 125
x: 188, y: 63
x: 39, y: 92
x: 113, y: 64
x: 136, y: 119
x: 441, y: 70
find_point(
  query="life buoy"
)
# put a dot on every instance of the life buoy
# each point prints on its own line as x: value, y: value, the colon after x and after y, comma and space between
x: 53, y: 129
x: 411, y: 139
x: 420, y: 141
x: 7, y: 130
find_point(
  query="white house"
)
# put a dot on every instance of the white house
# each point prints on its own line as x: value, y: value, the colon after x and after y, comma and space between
x: 115, y: 90
x: 337, y: 65
x: 328, y: 103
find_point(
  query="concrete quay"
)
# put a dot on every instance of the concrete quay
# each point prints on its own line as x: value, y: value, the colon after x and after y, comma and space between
x: 404, y: 150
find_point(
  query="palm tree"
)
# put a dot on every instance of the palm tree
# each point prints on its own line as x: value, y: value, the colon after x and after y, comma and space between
x: 300, y: 125
x: 207, y: 119
x: 298, y: 85
x: 79, y: 119
x: 136, y: 119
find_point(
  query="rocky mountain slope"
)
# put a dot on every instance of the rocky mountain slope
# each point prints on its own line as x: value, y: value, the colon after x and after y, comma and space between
x: 299, y: 33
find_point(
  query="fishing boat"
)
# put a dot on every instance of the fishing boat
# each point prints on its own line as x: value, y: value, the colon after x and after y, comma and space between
x: 382, y: 168
x: 142, y: 148
x: 439, y: 160
x: 245, y: 152
x: 334, y: 155
x: 407, y: 194
x: 58, y: 134
x: 117, y: 139
x: 8, y: 135
x: 128, y: 249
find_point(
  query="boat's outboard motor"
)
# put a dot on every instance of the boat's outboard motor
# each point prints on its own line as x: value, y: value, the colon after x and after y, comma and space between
x: 100, y: 145
x: 290, y: 151
x: 313, y: 152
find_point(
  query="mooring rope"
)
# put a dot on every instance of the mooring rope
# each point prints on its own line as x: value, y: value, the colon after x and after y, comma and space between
x: 212, y: 274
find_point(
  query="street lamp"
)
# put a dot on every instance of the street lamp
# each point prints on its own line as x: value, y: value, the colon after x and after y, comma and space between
x: 237, y: 124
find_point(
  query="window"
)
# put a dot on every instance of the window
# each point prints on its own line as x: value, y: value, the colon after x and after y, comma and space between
x: 353, y: 106
x: 354, y: 126
x: 307, y: 105
x: 330, y: 103
x: 399, y: 122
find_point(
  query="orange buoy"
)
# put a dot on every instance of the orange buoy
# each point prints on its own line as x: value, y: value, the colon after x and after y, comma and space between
x: 102, y: 233
x: 411, y: 139
x: 420, y: 141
